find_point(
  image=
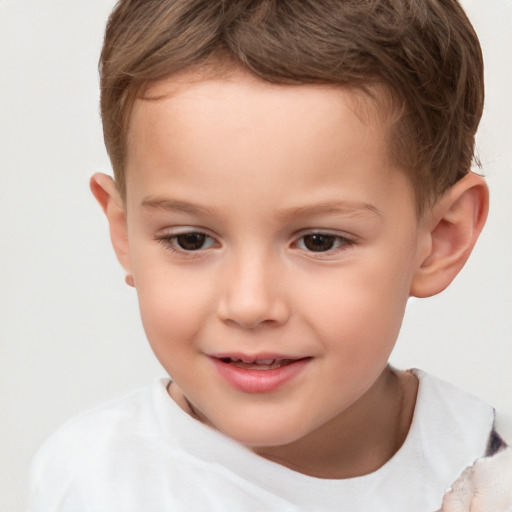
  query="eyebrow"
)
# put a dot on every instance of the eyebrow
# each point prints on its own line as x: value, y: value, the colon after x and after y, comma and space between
x: 327, y: 208
x: 171, y: 205
x: 331, y: 208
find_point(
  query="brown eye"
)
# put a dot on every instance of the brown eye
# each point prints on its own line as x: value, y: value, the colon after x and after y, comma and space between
x: 320, y: 242
x: 191, y: 241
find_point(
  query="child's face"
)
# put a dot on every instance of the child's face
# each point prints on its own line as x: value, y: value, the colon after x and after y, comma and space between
x: 266, y: 222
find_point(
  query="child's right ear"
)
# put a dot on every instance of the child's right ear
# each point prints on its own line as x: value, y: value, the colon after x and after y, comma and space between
x: 105, y: 191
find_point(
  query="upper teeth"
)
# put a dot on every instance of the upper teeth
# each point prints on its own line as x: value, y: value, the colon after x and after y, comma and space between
x: 258, y: 361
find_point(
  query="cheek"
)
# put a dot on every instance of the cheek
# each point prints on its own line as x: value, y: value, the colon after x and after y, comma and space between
x: 359, y: 311
x: 358, y: 329
x: 173, y: 309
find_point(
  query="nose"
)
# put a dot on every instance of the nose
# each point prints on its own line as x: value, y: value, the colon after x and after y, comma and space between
x: 253, y: 294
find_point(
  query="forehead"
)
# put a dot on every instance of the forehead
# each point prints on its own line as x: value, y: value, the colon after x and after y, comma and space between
x: 194, y: 97
x: 371, y: 103
x: 235, y: 130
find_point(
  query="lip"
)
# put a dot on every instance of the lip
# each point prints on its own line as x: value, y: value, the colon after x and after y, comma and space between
x: 258, y: 381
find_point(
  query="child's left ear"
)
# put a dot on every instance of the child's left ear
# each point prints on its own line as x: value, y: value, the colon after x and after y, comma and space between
x: 451, y: 230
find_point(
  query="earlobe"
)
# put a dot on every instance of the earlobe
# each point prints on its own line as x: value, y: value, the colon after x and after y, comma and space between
x: 455, y: 223
x: 105, y: 191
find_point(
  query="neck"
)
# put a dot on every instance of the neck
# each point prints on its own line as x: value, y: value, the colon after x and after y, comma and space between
x: 359, y: 440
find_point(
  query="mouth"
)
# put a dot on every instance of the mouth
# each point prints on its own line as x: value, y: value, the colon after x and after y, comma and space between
x: 258, y: 364
x: 258, y: 374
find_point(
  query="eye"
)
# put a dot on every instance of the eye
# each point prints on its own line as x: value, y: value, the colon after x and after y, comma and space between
x: 191, y: 241
x: 322, y: 242
x: 188, y: 242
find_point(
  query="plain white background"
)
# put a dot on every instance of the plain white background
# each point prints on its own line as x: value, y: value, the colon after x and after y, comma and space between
x: 70, y: 335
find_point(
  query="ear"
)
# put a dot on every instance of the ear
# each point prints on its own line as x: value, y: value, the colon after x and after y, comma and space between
x: 452, y: 228
x: 105, y: 191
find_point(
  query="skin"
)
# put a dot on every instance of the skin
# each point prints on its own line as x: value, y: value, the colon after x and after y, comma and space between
x: 259, y: 169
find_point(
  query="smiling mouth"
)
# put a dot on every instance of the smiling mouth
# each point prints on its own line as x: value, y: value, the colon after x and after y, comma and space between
x: 263, y: 373
x: 265, y: 364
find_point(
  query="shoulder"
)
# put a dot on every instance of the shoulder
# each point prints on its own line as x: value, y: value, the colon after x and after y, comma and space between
x: 141, y: 452
x: 102, y: 422
x: 440, y: 399
x: 451, y: 424
x: 84, y: 450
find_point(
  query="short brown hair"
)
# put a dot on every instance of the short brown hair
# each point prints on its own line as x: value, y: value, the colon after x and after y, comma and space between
x: 424, y: 52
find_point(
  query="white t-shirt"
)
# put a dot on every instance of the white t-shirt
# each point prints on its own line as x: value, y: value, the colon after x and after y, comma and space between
x: 144, y: 454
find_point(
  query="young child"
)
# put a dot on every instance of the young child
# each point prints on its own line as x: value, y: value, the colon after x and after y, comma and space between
x: 287, y: 175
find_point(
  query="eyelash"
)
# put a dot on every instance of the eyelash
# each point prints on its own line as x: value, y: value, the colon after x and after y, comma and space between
x: 341, y: 243
x: 170, y: 242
